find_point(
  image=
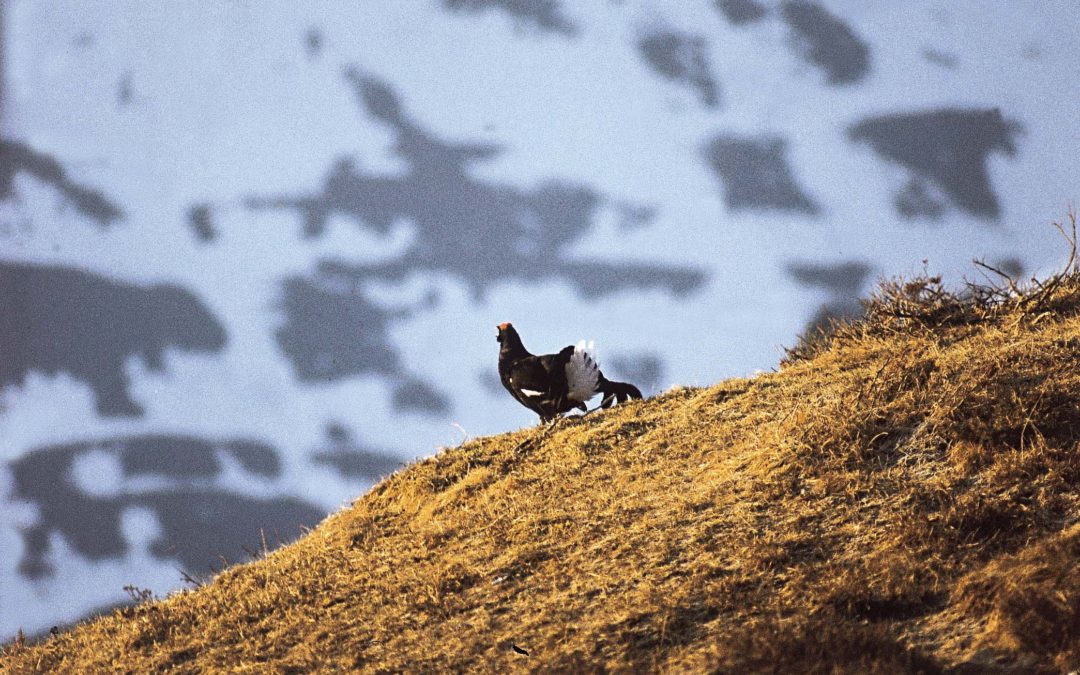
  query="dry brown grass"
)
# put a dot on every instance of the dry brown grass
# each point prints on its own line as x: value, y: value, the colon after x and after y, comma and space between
x: 901, y: 496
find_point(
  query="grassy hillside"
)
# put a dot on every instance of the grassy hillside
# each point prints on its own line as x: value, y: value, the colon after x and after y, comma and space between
x: 900, y: 496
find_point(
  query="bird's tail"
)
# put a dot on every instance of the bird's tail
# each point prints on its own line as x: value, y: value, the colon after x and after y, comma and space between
x: 617, y: 392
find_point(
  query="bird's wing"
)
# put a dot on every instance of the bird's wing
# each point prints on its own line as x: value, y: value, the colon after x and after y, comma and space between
x: 530, y: 375
x: 528, y: 382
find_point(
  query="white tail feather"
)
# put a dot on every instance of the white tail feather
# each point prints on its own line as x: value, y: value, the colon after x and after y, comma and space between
x: 582, y: 373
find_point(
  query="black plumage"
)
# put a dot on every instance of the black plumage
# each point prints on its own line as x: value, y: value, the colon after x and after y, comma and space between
x: 552, y: 384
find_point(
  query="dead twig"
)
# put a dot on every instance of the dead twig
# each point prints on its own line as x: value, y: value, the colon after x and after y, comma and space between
x: 1046, y: 290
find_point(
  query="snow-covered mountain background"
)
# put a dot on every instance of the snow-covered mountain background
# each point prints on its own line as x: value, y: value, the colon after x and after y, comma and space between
x: 252, y: 254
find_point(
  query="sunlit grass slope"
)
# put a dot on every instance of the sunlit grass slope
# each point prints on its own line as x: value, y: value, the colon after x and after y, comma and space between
x: 902, y: 495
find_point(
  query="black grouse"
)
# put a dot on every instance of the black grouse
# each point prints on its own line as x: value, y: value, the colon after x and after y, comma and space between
x: 552, y: 384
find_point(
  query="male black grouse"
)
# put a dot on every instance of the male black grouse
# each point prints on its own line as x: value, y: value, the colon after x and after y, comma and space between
x: 552, y: 384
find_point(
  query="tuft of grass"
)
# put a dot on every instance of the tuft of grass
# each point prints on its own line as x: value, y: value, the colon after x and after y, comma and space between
x: 901, y: 496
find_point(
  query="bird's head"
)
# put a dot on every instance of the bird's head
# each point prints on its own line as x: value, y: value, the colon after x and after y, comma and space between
x: 510, y: 346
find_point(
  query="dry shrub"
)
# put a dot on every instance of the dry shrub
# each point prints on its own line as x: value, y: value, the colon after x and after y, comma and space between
x: 924, y: 303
